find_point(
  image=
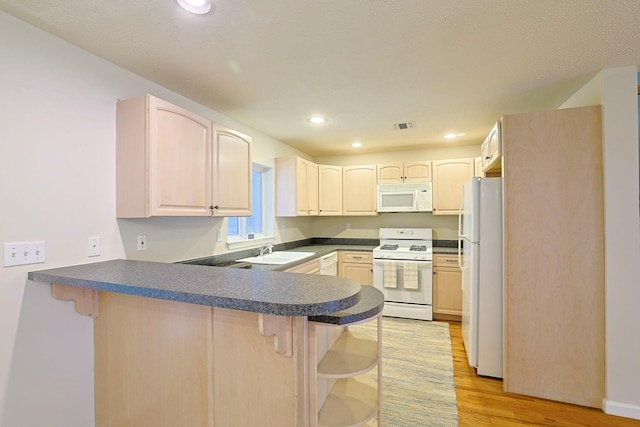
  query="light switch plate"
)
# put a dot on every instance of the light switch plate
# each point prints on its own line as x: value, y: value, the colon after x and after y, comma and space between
x: 22, y: 253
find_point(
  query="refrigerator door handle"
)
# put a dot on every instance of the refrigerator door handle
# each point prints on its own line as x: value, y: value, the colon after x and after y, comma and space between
x: 460, y: 215
x: 460, y: 253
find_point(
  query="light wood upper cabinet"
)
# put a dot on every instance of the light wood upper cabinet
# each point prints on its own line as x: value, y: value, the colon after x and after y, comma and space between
x: 329, y: 190
x: 448, y: 178
x: 491, y: 150
x: 477, y: 169
x: 170, y: 163
x: 359, y: 191
x: 313, y: 187
x: 163, y: 160
x: 231, y: 173
x: 296, y: 187
x: 392, y: 173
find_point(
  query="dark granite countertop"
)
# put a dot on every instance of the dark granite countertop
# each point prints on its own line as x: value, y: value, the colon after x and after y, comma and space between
x: 370, y: 304
x: 278, y: 293
x: 321, y: 249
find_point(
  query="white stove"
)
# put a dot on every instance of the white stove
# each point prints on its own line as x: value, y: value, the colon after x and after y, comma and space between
x: 405, y: 244
x: 402, y: 270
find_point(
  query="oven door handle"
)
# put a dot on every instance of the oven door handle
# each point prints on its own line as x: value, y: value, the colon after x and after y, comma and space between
x: 399, y: 262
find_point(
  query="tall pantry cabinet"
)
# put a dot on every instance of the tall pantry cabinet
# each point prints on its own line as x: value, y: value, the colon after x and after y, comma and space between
x: 553, y: 209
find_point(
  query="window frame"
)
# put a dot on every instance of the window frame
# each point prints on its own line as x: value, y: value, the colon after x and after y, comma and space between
x: 242, y: 239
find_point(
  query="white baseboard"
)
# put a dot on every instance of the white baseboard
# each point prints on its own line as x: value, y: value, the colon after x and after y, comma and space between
x: 621, y: 409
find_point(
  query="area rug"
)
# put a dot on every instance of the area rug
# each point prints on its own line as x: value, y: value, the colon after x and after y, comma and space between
x: 418, y: 388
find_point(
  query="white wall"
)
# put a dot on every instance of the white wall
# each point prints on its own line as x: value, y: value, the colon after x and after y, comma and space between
x: 616, y: 90
x: 57, y: 134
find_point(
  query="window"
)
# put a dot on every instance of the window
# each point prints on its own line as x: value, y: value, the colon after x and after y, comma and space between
x: 248, y: 231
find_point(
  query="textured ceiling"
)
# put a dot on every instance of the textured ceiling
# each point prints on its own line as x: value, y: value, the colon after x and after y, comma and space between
x: 446, y: 65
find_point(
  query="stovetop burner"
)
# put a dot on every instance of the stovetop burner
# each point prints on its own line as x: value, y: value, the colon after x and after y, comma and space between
x: 389, y: 247
x: 420, y: 248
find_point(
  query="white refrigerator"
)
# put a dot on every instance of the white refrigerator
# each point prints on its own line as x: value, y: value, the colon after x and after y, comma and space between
x: 480, y: 254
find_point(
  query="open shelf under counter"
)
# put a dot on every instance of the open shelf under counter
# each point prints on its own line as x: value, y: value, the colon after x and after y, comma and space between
x: 347, y: 372
x: 352, y: 402
x: 352, y: 354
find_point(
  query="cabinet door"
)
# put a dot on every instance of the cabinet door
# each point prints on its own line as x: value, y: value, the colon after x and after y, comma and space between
x: 447, y: 291
x: 179, y: 168
x: 330, y: 190
x: 163, y: 160
x: 417, y: 171
x: 477, y: 168
x: 359, y: 190
x: 309, y: 267
x: 231, y: 173
x: 312, y: 189
x: 360, y: 273
x: 448, y: 178
x: 296, y: 187
x: 390, y: 173
x: 491, y: 150
x: 302, y: 187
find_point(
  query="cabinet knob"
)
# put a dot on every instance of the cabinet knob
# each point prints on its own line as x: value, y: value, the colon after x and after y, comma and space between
x: 214, y: 207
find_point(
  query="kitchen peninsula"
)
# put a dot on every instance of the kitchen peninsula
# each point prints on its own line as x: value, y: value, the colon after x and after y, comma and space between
x: 193, y: 345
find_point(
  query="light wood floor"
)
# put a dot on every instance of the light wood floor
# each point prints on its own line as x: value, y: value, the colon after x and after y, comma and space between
x: 481, y: 401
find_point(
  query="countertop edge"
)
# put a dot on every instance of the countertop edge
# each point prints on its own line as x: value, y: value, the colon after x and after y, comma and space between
x: 257, y: 291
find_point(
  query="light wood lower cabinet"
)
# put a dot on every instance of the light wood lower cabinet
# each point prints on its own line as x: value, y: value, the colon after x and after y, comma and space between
x: 309, y: 267
x: 344, y: 386
x: 164, y: 364
x: 356, y: 265
x: 447, y: 287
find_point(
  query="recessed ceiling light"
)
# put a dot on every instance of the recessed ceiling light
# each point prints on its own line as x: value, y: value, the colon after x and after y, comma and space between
x: 199, y: 7
x: 357, y: 144
x: 317, y: 120
x: 452, y: 135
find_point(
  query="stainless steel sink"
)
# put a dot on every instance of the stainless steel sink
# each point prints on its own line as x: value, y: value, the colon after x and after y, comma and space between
x: 281, y: 257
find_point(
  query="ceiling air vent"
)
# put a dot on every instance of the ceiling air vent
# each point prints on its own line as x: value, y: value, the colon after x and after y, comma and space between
x: 402, y: 126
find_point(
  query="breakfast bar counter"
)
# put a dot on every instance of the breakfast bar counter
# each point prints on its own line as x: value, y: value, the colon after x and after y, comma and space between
x: 254, y: 290
x: 192, y: 345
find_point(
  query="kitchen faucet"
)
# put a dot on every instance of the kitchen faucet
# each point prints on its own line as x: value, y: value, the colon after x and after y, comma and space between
x: 266, y: 247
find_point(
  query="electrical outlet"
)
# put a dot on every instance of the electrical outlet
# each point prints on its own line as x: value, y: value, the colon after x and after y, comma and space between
x: 348, y: 226
x: 22, y: 253
x: 219, y: 235
x: 142, y: 243
x: 93, y: 248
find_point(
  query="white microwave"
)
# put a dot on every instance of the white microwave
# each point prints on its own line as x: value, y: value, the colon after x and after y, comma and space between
x: 412, y: 197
